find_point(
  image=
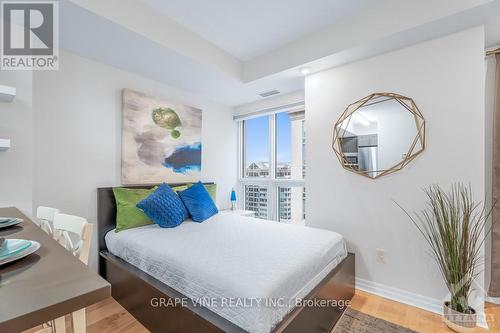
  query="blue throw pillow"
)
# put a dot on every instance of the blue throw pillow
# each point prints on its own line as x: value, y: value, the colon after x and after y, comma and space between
x: 198, y: 202
x: 164, y: 207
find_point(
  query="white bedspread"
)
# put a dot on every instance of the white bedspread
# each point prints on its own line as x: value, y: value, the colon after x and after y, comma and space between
x: 252, y: 267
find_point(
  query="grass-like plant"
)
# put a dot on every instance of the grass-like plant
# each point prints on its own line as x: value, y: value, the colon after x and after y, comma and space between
x: 453, y: 225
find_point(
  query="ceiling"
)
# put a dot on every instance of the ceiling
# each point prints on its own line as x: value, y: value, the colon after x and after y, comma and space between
x: 229, y: 51
x: 89, y: 35
x: 247, y: 29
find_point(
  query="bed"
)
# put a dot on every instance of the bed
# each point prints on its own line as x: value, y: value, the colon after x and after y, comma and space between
x: 232, y: 273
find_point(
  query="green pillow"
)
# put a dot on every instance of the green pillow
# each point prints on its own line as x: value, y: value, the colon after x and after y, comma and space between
x: 180, y: 188
x: 211, y: 189
x: 127, y: 214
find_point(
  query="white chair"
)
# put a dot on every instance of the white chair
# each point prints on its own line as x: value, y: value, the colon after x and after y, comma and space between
x: 46, y: 217
x: 78, y: 226
x: 65, y: 226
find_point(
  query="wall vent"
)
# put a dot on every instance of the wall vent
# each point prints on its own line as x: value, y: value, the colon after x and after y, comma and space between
x: 269, y: 93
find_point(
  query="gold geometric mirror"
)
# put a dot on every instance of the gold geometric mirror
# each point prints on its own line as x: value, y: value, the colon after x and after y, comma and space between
x: 379, y: 134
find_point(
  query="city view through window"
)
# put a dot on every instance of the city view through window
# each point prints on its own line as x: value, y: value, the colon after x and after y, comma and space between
x: 282, y: 196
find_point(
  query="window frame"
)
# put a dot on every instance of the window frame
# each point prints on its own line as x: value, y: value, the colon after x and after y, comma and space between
x: 271, y: 182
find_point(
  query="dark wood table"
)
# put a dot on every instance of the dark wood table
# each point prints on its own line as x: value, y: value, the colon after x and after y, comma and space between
x: 45, y: 285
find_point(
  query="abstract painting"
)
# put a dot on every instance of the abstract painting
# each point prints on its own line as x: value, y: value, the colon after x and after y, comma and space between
x: 161, y: 140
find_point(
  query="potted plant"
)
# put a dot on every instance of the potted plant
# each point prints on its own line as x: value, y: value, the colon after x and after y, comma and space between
x: 454, y: 226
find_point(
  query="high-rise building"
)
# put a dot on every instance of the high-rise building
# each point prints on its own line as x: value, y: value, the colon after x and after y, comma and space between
x: 256, y: 196
x: 256, y: 200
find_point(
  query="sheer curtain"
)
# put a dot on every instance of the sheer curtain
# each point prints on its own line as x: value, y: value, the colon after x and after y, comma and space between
x: 495, y: 233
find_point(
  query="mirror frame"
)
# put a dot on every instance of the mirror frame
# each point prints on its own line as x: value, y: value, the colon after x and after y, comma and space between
x: 376, y: 98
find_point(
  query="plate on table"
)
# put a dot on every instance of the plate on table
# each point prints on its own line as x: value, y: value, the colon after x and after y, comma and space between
x: 14, y: 249
x: 9, y: 219
x: 10, y: 222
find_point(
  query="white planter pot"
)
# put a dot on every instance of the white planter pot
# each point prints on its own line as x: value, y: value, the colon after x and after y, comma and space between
x: 459, y: 322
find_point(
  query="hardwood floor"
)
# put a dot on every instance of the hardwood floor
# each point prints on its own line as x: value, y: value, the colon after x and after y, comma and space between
x: 109, y: 317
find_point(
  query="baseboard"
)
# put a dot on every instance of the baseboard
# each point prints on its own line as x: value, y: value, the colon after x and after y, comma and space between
x: 402, y: 296
x: 494, y: 300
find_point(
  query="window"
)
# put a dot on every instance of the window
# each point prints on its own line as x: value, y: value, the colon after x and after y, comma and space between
x: 291, y: 204
x: 289, y: 145
x: 273, y: 166
x: 283, y: 145
x: 256, y: 200
x: 256, y: 141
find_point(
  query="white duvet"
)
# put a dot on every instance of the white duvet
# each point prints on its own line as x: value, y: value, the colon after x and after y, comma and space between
x: 247, y: 270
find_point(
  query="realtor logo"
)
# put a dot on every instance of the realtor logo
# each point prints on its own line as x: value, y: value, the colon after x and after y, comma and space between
x: 30, y: 35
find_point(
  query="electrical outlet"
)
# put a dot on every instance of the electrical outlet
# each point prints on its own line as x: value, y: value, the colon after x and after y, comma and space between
x: 381, y: 256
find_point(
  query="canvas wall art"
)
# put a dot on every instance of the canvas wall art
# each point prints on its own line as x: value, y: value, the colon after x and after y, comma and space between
x: 161, y: 140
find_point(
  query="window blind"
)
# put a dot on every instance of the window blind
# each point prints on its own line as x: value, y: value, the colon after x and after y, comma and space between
x: 293, y: 107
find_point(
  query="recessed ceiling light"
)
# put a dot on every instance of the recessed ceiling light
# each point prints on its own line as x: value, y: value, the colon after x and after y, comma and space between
x: 305, y: 70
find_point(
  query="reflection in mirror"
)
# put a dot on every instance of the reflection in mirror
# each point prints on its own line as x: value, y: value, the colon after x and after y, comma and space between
x: 379, y: 134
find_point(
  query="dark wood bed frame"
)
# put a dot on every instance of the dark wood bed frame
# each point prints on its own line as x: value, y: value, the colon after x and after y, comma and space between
x: 134, y: 289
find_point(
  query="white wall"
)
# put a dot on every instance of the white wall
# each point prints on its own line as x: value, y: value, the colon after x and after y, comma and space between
x: 16, y: 123
x: 446, y: 79
x: 489, y: 103
x: 78, y: 134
